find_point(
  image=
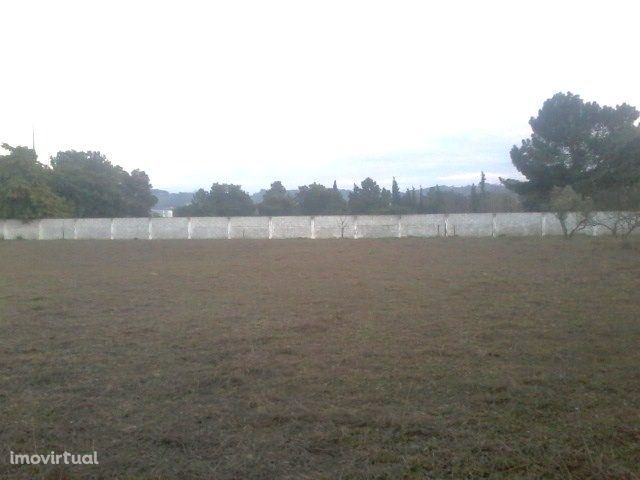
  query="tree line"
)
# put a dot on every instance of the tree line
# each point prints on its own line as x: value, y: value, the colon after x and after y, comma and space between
x: 580, y: 157
x: 74, y: 184
x: 368, y: 198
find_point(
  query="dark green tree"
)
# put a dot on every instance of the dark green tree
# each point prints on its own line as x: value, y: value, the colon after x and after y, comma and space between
x: 25, y: 191
x: 436, y: 201
x: 89, y: 182
x: 137, y: 194
x: 367, y: 198
x: 395, y: 193
x: 97, y: 188
x: 276, y: 201
x: 316, y: 199
x: 407, y: 201
x: 386, y: 200
x: 474, y: 200
x: 582, y: 145
x: 223, y: 200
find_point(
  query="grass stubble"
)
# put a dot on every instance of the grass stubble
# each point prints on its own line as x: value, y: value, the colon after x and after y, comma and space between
x: 438, y: 358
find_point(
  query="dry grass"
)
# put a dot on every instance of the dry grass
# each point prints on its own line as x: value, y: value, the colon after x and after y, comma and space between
x: 456, y: 358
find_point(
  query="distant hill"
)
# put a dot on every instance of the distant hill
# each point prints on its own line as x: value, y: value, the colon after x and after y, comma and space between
x: 167, y: 200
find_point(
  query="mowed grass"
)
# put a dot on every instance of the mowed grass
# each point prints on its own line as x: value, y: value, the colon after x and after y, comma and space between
x: 412, y: 358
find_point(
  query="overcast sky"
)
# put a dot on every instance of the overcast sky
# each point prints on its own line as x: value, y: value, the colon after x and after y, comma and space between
x: 253, y: 91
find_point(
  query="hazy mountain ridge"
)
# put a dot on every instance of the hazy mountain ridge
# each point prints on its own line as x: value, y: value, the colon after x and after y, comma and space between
x: 167, y: 200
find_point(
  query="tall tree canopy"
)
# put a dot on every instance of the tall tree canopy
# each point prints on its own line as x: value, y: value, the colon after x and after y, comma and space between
x: 137, y: 194
x: 222, y: 200
x: 96, y: 188
x: 395, y: 193
x: 369, y: 198
x: 589, y: 147
x: 316, y: 199
x: 276, y: 201
x: 25, y: 191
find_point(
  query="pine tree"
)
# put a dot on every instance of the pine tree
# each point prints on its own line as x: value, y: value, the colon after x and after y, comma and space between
x: 474, y: 200
x: 591, y: 148
x: 395, y: 193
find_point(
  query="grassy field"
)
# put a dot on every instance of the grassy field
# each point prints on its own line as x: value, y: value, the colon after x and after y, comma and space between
x: 439, y: 358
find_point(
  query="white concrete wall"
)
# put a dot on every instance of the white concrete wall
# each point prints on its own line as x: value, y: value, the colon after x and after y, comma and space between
x: 469, y: 225
x: 209, y: 227
x: 130, y: 228
x: 332, y: 226
x: 291, y: 227
x: 249, y: 227
x: 57, y: 229
x: 16, y: 229
x: 361, y: 226
x: 518, y: 224
x: 377, y: 226
x: 167, y: 228
x: 552, y: 226
x: 609, y: 219
x: 93, y: 228
x: 422, y: 225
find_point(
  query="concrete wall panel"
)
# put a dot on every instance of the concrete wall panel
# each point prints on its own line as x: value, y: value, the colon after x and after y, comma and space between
x: 573, y: 220
x: 552, y: 226
x: 623, y: 219
x: 93, y: 228
x: 518, y: 224
x: 333, y: 226
x: 209, y: 227
x: 330, y: 226
x: 57, y: 228
x: 291, y: 227
x: 15, y: 229
x: 249, y: 227
x: 422, y: 225
x: 377, y: 226
x: 167, y: 228
x: 470, y: 224
x: 606, y: 218
x: 131, y: 228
